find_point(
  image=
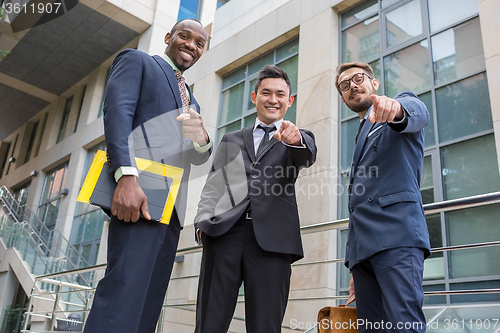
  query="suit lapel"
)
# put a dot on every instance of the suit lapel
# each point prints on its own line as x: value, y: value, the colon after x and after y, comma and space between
x: 363, y: 135
x: 171, y: 78
x: 247, y: 133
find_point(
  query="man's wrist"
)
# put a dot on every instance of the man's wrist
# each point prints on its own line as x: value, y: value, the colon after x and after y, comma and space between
x: 126, y: 171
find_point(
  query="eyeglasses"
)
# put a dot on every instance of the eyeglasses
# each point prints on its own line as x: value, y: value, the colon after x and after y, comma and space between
x: 357, y: 78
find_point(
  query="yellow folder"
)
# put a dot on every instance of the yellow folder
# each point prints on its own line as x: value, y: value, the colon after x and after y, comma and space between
x: 160, y: 183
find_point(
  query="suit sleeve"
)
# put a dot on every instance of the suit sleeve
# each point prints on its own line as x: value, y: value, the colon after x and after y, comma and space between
x: 304, y: 158
x: 122, y: 95
x: 214, y: 187
x: 416, y: 113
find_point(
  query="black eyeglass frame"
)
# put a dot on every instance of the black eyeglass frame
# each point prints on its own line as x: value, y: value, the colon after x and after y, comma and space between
x: 351, y: 79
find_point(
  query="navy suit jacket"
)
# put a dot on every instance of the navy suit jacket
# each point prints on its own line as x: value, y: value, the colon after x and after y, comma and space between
x: 385, y: 204
x: 141, y: 104
x: 265, y: 182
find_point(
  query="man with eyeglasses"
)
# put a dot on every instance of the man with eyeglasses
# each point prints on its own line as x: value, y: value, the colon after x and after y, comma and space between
x: 387, y: 237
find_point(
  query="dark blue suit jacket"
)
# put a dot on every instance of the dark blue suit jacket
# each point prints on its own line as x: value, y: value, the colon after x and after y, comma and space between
x: 141, y: 104
x: 385, y: 204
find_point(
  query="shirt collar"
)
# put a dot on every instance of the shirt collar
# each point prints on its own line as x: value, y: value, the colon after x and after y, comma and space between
x: 276, y: 123
x: 170, y: 62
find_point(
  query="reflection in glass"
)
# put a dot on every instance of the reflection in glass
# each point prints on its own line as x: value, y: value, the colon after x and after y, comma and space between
x: 470, y: 168
x: 291, y: 67
x: 256, y: 65
x: 232, y: 103
x: 250, y: 120
x: 472, y: 312
x: 403, y: 23
x: 251, y: 88
x: 428, y: 300
x: 344, y: 275
x: 457, y: 52
x: 349, y: 130
x: 434, y: 265
x: 468, y: 226
x: 463, y: 108
x: 362, y: 41
x: 234, y: 77
x: 344, y: 195
x: 291, y: 113
x: 387, y: 3
x: 427, y: 183
x: 358, y: 13
x: 430, y: 139
x: 287, y: 50
x: 229, y: 128
x: 443, y: 13
x: 407, y: 69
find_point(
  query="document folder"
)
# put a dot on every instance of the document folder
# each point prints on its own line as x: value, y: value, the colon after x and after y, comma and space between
x: 160, y: 183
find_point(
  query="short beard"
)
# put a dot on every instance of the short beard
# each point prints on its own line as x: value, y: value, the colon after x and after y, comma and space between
x: 360, y: 107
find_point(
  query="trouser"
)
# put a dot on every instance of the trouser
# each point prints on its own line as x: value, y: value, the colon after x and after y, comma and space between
x: 230, y: 259
x: 389, y: 292
x: 129, y: 297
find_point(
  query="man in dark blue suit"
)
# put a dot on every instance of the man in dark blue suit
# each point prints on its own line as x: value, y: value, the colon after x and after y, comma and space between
x: 149, y: 112
x: 387, y: 237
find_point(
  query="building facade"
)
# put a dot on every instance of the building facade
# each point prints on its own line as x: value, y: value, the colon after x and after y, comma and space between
x: 446, y: 51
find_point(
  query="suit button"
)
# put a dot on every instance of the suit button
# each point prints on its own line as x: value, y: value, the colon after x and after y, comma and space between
x: 370, y: 199
x: 248, y: 197
x: 350, y: 186
x: 374, y: 148
x: 255, y: 176
x: 374, y: 173
x: 351, y: 209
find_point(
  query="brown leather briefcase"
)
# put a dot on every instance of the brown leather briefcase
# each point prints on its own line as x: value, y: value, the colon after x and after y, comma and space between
x: 337, y: 319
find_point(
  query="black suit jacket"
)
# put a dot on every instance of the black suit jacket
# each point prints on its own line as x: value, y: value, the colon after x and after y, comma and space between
x: 238, y: 179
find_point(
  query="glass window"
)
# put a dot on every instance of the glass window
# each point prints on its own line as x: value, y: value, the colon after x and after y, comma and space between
x: 232, y: 103
x: 468, y: 226
x: 256, y: 65
x: 287, y: 50
x: 290, y: 66
x: 403, y: 23
x: 464, y: 108
x: 359, y: 13
x: 362, y: 41
x: 443, y: 13
x: 407, y: 69
x: 31, y: 142
x: 188, y: 9
x: 434, y: 265
x: 427, y: 183
x: 229, y: 128
x: 457, y: 52
x: 429, y: 300
x: 64, y: 119
x: 80, y: 109
x: 478, y: 312
x: 430, y: 139
x: 349, y: 130
x: 470, y: 168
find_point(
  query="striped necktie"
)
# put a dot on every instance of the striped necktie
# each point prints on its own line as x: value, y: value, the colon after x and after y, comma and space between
x: 182, y: 89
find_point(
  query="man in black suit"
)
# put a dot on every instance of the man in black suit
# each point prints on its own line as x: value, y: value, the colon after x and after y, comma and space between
x: 149, y: 112
x: 248, y: 217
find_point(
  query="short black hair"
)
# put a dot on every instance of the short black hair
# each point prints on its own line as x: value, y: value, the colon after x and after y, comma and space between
x: 272, y: 72
x: 179, y: 22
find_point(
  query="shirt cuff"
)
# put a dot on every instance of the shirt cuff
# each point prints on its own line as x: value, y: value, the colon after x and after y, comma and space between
x: 395, y: 122
x: 203, y: 149
x: 126, y: 171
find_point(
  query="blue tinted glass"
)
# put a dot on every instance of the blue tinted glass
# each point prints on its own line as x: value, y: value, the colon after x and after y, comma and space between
x: 188, y: 10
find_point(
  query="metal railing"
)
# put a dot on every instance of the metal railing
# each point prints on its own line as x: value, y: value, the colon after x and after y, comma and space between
x: 45, y: 250
x: 474, y: 201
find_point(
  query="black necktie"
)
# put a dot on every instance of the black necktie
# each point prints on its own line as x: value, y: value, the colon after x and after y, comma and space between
x: 359, y: 129
x: 265, y: 138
